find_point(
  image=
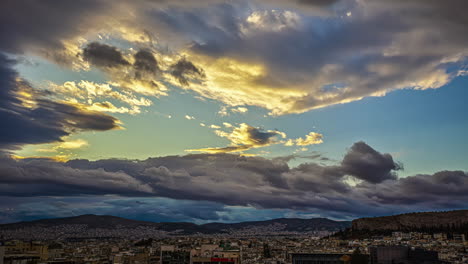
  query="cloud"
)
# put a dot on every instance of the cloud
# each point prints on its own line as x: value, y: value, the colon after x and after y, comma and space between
x: 246, y: 137
x: 111, y: 108
x: 236, y: 180
x: 87, y: 92
x: 33, y: 118
x: 223, y: 111
x: 284, y: 56
x: 444, y: 189
x: 102, y: 55
x: 242, y: 138
x: 228, y: 149
x: 145, y: 63
x: 46, y: 177
x: 318, y: 2
x: 296, y: 67
x: 241, y: 110
x: 61, y: 151
x: 139, y: 73
x: 365, y: 163
x: 48, y: 25
x: 185, y: 70
x: 270, y: 21
x: 105, y: 56
x: 313, y: 138
x: 72, y: 144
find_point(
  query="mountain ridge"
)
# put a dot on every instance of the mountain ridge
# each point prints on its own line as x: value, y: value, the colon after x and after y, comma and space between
x: 111, y: 222
x: 447, y: 221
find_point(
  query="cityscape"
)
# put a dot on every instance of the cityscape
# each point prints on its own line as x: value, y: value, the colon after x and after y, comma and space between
x: 233, y: 132
x: 127, y: 241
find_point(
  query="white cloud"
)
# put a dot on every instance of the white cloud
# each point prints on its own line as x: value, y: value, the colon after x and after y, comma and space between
x: 241, y: 110
x: 313, y: 138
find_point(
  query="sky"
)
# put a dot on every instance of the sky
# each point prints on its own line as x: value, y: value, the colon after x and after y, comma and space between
x: 234, y: 110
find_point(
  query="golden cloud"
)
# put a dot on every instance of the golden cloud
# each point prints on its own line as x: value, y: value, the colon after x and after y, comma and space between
x: 237, y: 83
x: 245, y: 137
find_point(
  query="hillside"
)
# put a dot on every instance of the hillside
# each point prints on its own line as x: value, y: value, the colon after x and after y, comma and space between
x: 414, y: 221
x: 92, y: 221
x: 450, y: 222
x: 110, y: 226
x: 287, y: 224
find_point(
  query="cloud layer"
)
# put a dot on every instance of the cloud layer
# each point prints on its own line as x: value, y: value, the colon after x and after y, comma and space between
x: 292, y: 62
x: 285, y: 56
x: 235, y: 180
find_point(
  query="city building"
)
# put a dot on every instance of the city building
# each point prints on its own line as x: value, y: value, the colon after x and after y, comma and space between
x: 459, y: 237
x: 302, y: 258
x: 172, y: 255
x: 2, y: 253
x: 388, y: 254
x: 402, y: 255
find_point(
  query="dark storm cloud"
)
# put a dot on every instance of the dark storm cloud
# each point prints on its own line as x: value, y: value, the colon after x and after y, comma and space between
x: 365, y: 163
x: 145, y: 62
x: 318, y: 178
x: 184, y: 70
x: 222, y: 178
x: 141, y: 74
x: 45, y: 120
x: 450, y: 11
x: 103, y: 55
x: 441, y: 189
x: 44, y: 23
x: 46, y: 177
x: 318, y: 2
x: 7, y: 82
x: 260, y: 137
x: 237, y: 180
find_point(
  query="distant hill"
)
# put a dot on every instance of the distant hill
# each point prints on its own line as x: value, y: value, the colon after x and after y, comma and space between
x: 450, y: 222
x: 288, y: 224
x: 92, y: 221
x: 107, y: 222
x: 112, y: 226
x: 414, y: 221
